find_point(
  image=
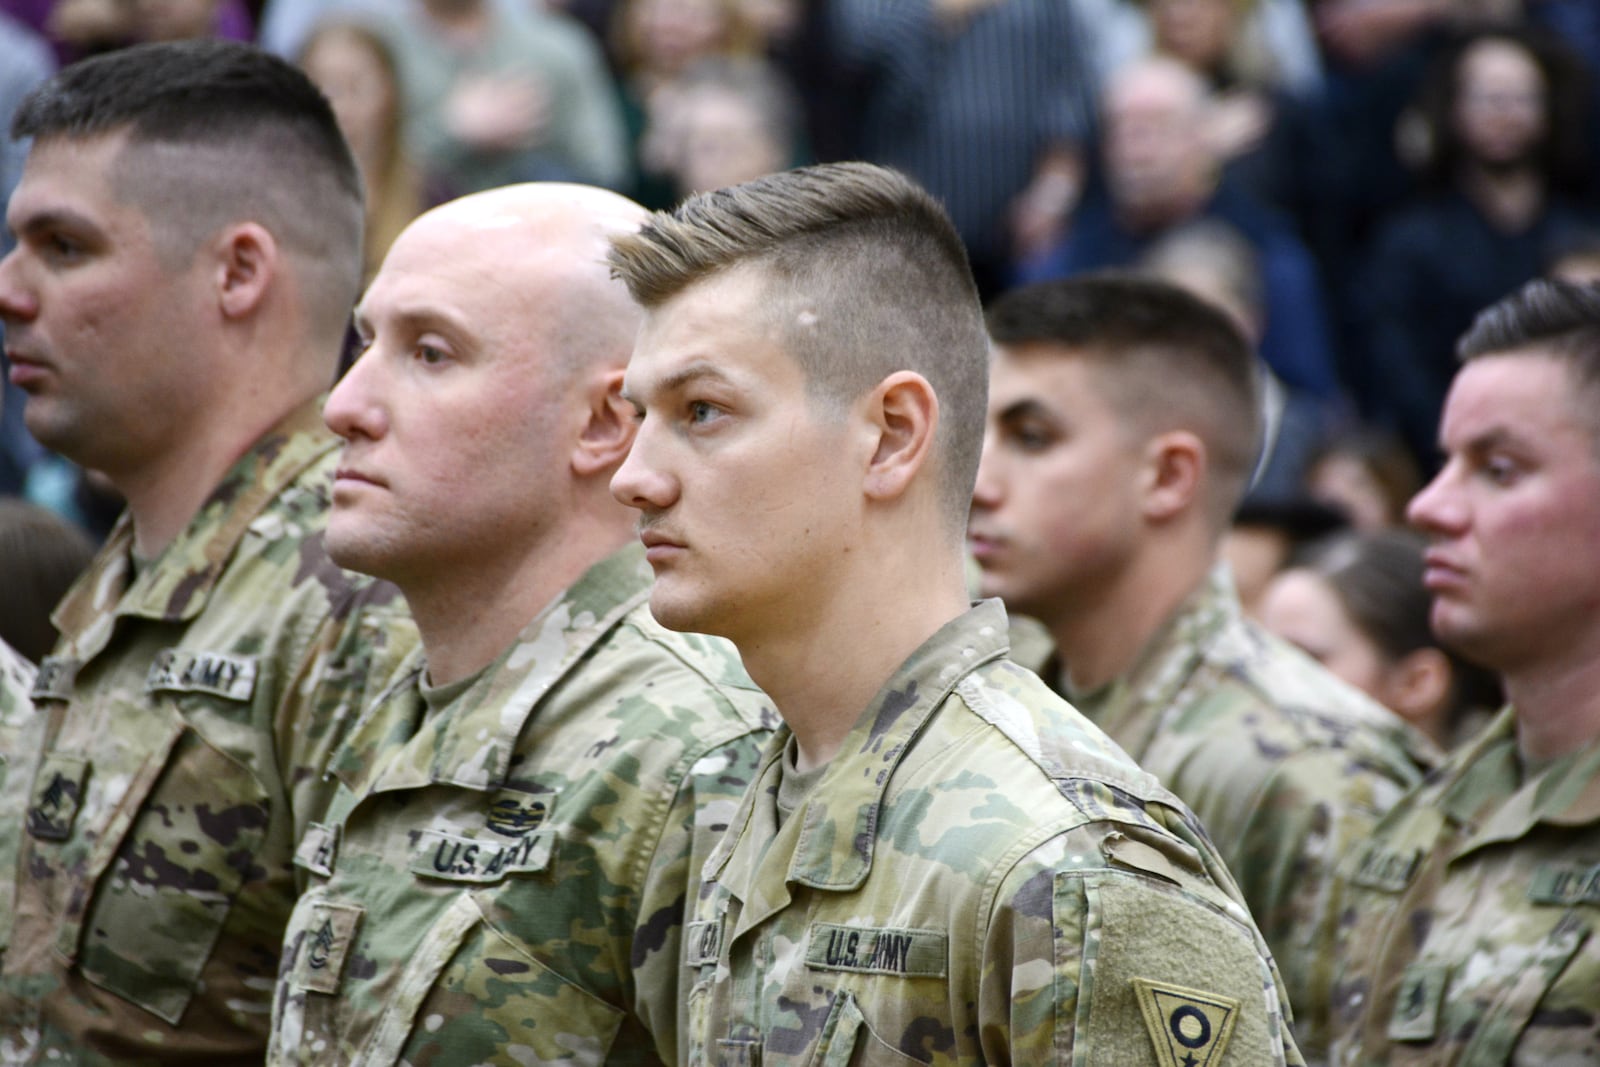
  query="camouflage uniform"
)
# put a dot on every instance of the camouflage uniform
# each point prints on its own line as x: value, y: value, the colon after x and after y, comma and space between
x: 502, y: 879
x: 1470, y: 922
x: 1287, y: 767
x: 979, y: 876
x: 19, y: 747
x: 187, y: 712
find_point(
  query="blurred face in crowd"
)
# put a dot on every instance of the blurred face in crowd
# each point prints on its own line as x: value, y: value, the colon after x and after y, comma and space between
x: 1157, y: 165
x: 95, y: 316
x: 1500, y: 109
x: 1055, y: 512
x: 455, y: 417
x: 1199, y: 32
x: 357, y: 81
x: 724, y: 141
x: 671, y: 34
x: 749, y: 490
x: 1514, y: 515
x: 174, y: 20
x: 1302, y: 607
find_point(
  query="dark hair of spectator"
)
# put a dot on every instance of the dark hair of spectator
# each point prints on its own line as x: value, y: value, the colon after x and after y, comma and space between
x: 1377, y: 578
x: 41, y: 555
x: 1563, y: 155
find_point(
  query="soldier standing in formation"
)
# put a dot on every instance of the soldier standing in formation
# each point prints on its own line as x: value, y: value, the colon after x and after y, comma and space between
x: 502, y: 874
x: 1469, y: 920
x: 1121, y: 437
x: 189, y: 243
x: 939, y: 859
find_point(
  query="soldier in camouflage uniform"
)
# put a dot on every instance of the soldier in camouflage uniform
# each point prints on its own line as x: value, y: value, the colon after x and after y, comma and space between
x: 502, y: 875
x: 173, y: 311
x: 939, y: 861
x: 1103, y: 496
x: 19, y: 747
x: 1470, y: 922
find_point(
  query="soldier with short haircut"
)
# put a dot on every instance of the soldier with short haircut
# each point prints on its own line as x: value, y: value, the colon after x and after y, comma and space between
x: 939, y: 860
x: 1469, y: 920
x: 189, y: 244
x: 1122, y: 433
x: 503, y: 872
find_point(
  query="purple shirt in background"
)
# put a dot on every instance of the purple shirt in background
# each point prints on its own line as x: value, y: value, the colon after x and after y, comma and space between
x: 233, y: 22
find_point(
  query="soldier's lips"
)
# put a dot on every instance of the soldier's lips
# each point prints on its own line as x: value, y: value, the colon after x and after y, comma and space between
x: 351, y: 476
x: 660, y: 547
x: 984, y: 546
x: 24, y: 370
x: 1440, y: 572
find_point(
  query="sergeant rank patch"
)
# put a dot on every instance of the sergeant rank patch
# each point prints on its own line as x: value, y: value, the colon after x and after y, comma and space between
x: 1188, y: 1028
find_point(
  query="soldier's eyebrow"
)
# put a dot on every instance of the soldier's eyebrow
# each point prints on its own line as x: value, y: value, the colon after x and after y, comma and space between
x: 698, y: 370
x: 1027, y: 408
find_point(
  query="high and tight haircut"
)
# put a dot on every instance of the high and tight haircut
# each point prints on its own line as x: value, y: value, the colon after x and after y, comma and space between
x: 269, y: 150
x: 865, y: 276
x: 1170, y: 361
x: 1561, y: 319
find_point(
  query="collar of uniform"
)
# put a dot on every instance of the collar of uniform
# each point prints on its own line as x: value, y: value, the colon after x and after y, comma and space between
x: 1135, y: 706
x: 470, y: 743
x: 177, y: 583
x: 839, y: 822
x: 1566, y: 793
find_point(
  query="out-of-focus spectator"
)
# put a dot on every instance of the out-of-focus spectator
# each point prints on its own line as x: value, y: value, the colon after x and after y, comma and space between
x: 1356, y: 604
x: 1368, y: 474
x: 1160, y: 172
x: 353, y: 64
x: 736, y: 120
x: 178, y: 20
x: 1503, y: 133
x: 496, y: 94
x: 1265, y: 535
x: 79, y: 28
x: 655, y: 43
x: 1576, y: 257
x: 992, y: 127
x: 41, y: 555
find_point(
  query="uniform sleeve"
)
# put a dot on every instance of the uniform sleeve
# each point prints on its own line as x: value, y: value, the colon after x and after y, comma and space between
x: 701, y: 810
x: 21, y: 740
x: 357, y: 648
x: 1109, y: 946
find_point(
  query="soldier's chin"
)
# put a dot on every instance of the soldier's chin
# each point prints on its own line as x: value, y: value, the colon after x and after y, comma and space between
x: 350, y: 550
x: 678, y: 612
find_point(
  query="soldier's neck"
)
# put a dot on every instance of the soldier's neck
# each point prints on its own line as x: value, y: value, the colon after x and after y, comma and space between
x: 1558, y: 706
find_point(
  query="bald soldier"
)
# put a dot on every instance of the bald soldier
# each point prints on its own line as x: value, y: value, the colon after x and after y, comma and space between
x: 1122, y: 432
x: 188, y: 247
x: 503, y: 872
x: 1470, y: 921
x: 939, y: 861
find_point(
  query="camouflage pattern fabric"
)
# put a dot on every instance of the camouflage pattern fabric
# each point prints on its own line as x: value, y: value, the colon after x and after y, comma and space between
x: 980, y: 876
x: 19, y: 748
x: 188, y: 713
x: 503, y: 879
x: 1470, y: 922
x: 1287, y: 767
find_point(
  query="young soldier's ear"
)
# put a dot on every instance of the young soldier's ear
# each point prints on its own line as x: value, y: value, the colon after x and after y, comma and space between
x: 247, y: 262
x: 608, y: 427
x: 903, y: 412
x: 1175, y: 467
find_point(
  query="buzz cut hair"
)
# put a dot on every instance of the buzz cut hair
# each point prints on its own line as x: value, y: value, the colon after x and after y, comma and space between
x: 1169, y: 360
x: 865, y: 276
x: 219, y: 132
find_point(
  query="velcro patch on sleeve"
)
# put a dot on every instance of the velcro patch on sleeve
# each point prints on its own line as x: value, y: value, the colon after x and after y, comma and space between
x: 877, y: 950
x: 1188, y: 1028
x: 220, y: 674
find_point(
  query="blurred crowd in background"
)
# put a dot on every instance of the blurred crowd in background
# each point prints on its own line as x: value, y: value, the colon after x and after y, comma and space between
x: 1350, y: 179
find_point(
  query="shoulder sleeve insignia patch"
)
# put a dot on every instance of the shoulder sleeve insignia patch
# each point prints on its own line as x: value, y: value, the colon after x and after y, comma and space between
x: 1188, y: 1028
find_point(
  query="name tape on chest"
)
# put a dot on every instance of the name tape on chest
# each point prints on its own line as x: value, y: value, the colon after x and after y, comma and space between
x: 877, y: 950
x: 1565, y: 884
x: 54, y: 679
x: 1187, y: 1027
x: 221, y: 674
x: 466, y: 859
x: 1387, y: 870
x: 319, y: 849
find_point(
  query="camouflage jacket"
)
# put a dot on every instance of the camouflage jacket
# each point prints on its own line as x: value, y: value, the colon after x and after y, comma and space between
x: 188, y: 711
x: 1470, y: 922
x: 1286, y: 766
x: 980, y: 876
x: 19, y: 747
x: 502, y: 880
